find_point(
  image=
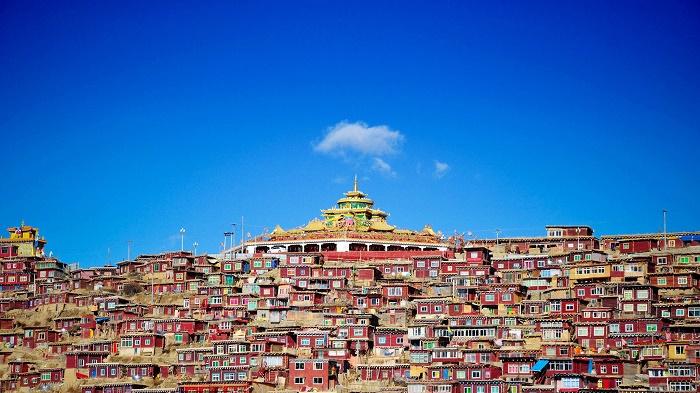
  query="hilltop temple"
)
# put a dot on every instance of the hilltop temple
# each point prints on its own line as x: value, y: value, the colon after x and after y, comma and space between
x: 352, y: 225
x: 24, y: 241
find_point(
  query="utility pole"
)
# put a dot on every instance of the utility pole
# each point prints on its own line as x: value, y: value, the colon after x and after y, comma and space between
x: 128, y: 249
x: 498, y: 232
x: 665, y: 234
x: 233, y: 241
x: 182, y: 239
x: 242, y: 233
x: 195, y: 244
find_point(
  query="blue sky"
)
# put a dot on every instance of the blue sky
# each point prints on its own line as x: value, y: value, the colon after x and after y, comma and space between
x: 128, y: 120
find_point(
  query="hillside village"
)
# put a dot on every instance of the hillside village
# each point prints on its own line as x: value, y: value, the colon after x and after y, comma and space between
x: 377, y: 309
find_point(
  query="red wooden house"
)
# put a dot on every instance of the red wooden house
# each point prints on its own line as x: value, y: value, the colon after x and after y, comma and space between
x: 321, y: 374
x: 144, y: 343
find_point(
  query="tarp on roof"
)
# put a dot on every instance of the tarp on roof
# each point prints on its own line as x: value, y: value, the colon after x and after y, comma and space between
x: 690, y: 238
x: 540, y: 365
x: 101, y: 319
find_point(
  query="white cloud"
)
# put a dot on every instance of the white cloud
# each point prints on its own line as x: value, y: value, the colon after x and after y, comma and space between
x: 383, y: 167
x: 440, y: 169
x: 358, y: 137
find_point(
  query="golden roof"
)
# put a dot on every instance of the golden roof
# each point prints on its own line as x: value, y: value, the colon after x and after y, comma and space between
x: 354, y: 215
x: 381, y: 226
x: 428, y: 230
x: 278, y: 230
x: 314, y: 225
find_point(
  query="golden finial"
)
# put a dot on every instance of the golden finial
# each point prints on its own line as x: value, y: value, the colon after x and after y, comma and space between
x: 355, y: 185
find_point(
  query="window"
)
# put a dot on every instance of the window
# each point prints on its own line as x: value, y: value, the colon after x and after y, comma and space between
x: 320, y: 342
x: 680, y: 350
x: 582, y: 331
x: 306, y: 342
x: 599, y: 331
x: 420, y: 263
x: 506, y: 297
x: 299, y: 381
x: 476, y: 374
x: 562, y: 365
x: 581, y: 292
x: 395, y: 291
x: 661, y: 281
x: 570, y: 382
x: 661, y: 260
x: 318, y: 365
x: 569, y: 307
x: 299, y: 365
x: 680, y: 312
x: 614, y: 369
x: 694, y: 312
x: 489, y: 297
x: 651, y: 327
x: 665, y: 313
x: 681, y: 386
x: 381, y: 340
x: 318, y: 381
x: 629, y: 327
x: 683, y: 280
x: 683, y: 259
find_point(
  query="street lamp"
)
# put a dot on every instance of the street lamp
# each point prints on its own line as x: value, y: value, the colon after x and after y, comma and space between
x: 195, y: 244
x: 665, y: 233
x: 182, y: 239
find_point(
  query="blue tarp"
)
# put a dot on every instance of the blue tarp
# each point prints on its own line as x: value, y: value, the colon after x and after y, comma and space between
x: 101, y: 319
x: 690, y: 238
x: 540, y: 365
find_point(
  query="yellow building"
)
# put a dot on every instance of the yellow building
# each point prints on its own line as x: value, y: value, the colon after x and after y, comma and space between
x: 24, y: 241
x: 589, y: 271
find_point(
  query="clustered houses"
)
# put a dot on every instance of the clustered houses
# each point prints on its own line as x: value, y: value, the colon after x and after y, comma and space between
x: 565, y: 312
